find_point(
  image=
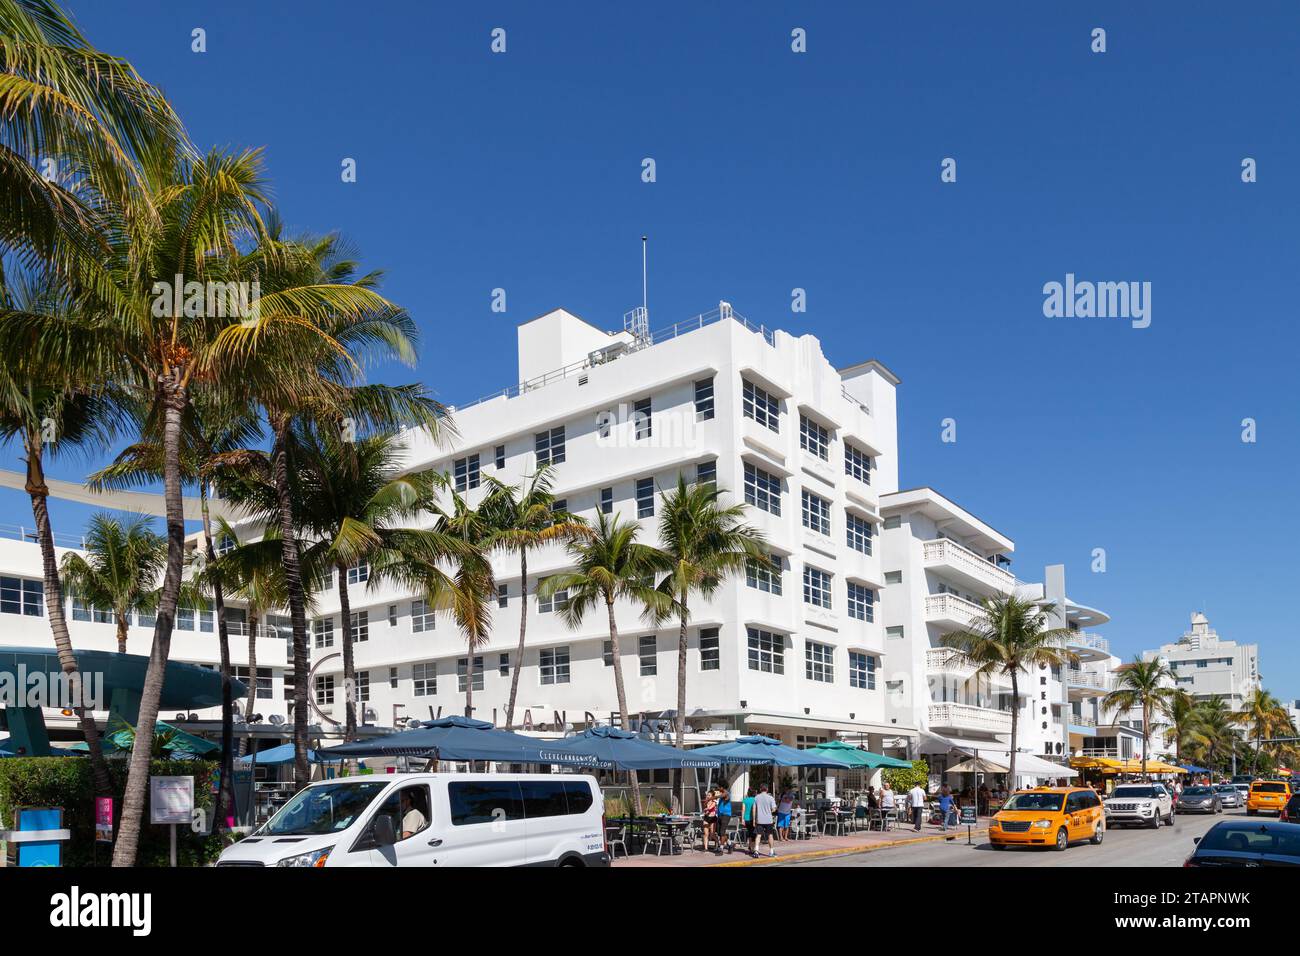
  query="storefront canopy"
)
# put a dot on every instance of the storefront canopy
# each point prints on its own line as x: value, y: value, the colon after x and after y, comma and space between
x: 612, y: 747
x: 856, y: 756
x: 1027, y: 765
x: 276, y: 755
x: 450, y: 738
x: 765, y: 751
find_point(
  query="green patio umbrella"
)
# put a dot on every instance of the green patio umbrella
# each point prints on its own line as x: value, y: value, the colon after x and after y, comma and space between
x: 178, y: 741
x: 857, y: 757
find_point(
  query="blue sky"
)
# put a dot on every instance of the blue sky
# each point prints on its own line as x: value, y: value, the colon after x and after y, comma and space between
x: 820, y: 170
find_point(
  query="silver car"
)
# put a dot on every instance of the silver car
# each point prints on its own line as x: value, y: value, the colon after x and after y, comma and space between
x: 1230, y: 798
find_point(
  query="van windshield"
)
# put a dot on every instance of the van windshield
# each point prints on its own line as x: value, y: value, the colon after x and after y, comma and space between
x: 328, y: 808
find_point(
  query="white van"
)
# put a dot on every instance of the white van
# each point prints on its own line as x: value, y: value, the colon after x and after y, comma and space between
x: 434, y: 819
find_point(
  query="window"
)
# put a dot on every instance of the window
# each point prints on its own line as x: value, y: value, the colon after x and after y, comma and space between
x: 709, y: 649
x: 489, y: 802
x: 422, y: 617
x: 607, y: 653
x: 862, y: 602
x: 549, y: 446
x: 426, y: 679
x: 766, y: 651
x: 762, y: 490
x: 205, y: 619
x: 363, y: 687
x: 704, y: 400
x: 265, y: 689
x: 322, y: 632
x: 819, y: 662
x: 757, y: 404
x: 503, y: 595
x: 392, y: 615
x: 706, y: 472
x: 645, y: 497
x: 462, y: 666
x: 81, y: 612
x: 146, y: 618
x: 392, y: 677
x: 359, y: 573
x: 503, y: 664
x: 225, y: 544
x: 857, y: 464
x: 862, y: 670
x: 892, y: 522
x: 554, y: 665
x: 360, y: 627
x: 641, y: 418
x: 324, y: 689
x: 813, y: 438
x: 556, y: 602
x: 466, y: 472
x: 893, y: 577
x: 22, y: 596
x: 606, y: 501
x: 816, y: 513
x: 816, y: 587
x: 858, y: 532
x: 764, y: 577
x: 499, y: 456
x: 646, y: 652
x: 604, y: 423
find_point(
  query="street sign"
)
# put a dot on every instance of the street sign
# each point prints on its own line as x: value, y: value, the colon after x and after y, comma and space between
x: 968, y: 816
x: 171, y: 799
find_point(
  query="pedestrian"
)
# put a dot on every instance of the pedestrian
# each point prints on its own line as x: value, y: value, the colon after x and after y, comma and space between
x: 916, y: 798
x: 946, y: 805
x: 764, y: 820
x: 873, y: 802
x: 710, y: 822
x: 724, y: 820
x: 783, y: 811
x: 887, y: 804
x: 747, y: 818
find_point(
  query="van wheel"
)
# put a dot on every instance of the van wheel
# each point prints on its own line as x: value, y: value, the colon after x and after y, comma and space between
x: 571, y: 861
x: 1098, y: 834
x: 1062, y: 839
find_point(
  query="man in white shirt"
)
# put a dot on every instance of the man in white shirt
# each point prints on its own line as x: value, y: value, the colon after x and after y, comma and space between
x: 412, y: 819
x: 764, y: 819
x: 916, y: 799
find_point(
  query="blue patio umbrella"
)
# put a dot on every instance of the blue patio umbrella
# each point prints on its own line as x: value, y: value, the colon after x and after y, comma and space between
x: 1192, y: 768
x: 766, y: 751
x: 277, y: 755
x: 449, y: 738
x: 614, y: 748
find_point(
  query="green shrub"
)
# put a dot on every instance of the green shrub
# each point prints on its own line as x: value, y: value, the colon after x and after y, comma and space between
x: 901, y: 780
x: 66, y: 782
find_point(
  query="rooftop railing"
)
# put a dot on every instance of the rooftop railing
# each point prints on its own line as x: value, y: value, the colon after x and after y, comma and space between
x: 17, y: 532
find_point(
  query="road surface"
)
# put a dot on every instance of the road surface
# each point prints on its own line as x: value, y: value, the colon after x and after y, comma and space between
x: 1168, y: 846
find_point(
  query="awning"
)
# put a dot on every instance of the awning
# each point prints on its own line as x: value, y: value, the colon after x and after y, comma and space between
x: 1027, y: 765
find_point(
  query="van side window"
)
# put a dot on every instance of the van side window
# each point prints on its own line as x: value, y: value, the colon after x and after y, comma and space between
x: 544, y: 798
x: 578, y: 794
x: 408, y: 808
x: 484, y: 802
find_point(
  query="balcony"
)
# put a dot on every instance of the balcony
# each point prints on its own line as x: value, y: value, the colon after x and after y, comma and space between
x: 1088, y: 646
x: 1079, y: 720
x: 967, y: 566
x: 1084, y: 684
x: 968, y: 717
x: 951, y: 612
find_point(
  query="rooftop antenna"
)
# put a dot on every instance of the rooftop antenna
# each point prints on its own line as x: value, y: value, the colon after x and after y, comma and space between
x: 637, y: 322
x: 645, y: 295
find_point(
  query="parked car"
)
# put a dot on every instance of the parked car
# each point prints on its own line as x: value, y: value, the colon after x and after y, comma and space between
x: 1143, y: 804
x: 1201, y: 799
x: 1267, y: 796
x: 425, y: 819
x: 1247, y: 843
x: 1246, y: 778
x: 1243, y: 789
x: 1291, y: 812
x: 1048, y: 816
x: 1230, y: 797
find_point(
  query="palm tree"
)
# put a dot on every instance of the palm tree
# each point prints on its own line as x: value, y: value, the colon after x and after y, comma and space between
x: 1216, y: 737
x: 1263, y: 716
x: 1144, y: 684
x: 705, y: 543
x: 524, y: 519
x: 472, y: 585
x: 1183, y: 719
x: 120, y: 571
x: 610, y: 565
x: 1011, y: 636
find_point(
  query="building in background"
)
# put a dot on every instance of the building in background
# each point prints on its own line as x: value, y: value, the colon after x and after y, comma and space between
x: 1208, y: 666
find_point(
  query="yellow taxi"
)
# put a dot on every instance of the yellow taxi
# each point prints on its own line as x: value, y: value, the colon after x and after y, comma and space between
x: 1267, y: 796
x: 1048, y: 816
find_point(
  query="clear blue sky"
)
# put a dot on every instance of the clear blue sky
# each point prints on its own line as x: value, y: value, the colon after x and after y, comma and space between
x: 821, y: 171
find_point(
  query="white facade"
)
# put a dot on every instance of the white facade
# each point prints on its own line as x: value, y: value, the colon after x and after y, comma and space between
x: 1207, y: 666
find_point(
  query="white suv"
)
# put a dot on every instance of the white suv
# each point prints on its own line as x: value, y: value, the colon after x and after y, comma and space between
x: 1146, y: 804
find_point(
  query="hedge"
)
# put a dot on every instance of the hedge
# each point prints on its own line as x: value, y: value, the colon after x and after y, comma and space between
x: 66, y: 782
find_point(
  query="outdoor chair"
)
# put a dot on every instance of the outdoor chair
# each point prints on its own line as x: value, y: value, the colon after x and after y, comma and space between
x: 659, y: 837
x: 861, y: 818
x: 616, y: 837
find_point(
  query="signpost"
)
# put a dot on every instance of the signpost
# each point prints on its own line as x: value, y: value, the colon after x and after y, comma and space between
x: 171, y: 801
x: 968, y: 819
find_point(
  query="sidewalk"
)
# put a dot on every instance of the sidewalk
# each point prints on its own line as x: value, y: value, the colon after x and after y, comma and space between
x: 859, y: 842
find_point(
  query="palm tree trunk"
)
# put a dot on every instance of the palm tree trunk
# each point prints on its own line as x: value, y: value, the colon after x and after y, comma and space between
x: 226, y: 792
x: 122, y: 619
x: 297, y: 599
x: 523, y: 629
x: 174, y: 398
x: 252, y: 669
x: 621, y: 693
x: 680, y: 730
x: 39, y: 492
x: 1015, y: 728
x: 1146, y: 735
x: 349, y: 669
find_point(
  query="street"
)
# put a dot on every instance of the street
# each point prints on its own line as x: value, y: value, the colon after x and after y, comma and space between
x: 1168, y: 846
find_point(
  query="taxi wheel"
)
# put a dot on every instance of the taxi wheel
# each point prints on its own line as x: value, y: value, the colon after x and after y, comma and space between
x: 1062, y: 839
x: 1098, y: 834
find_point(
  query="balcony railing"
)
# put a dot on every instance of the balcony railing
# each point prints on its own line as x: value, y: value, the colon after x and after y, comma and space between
x: 950, y: 607
x: 18, y: 532
x: 1090, y: 679
x: 1079, y: 720
x: 948, y: 553
x: 240, y: 629
x: 1085, y: 639
x: 970, y: 717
